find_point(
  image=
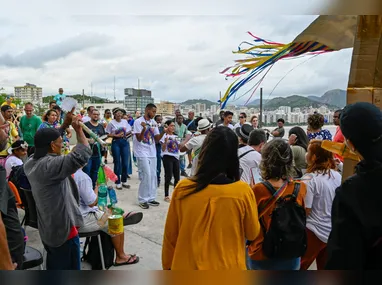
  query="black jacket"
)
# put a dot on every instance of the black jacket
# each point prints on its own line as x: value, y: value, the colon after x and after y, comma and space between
x: 356, y: 238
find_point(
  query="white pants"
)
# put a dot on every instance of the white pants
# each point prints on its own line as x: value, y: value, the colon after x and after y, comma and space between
x: 147, y: 168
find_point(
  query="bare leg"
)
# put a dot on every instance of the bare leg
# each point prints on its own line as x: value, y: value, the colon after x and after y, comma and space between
x: 118, y: 242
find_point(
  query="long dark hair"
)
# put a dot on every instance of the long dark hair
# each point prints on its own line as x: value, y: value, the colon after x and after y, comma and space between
x: 302, y: 139
x: 218, y: 156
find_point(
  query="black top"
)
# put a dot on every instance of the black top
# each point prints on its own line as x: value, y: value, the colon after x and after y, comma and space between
x: 15, y: 236
x: 99, y: 131
x: 190, y: 124
x: 356, y: 238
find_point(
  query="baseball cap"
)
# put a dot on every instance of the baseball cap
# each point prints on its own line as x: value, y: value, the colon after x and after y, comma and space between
x: 5, y: 108
x: 42, y: 140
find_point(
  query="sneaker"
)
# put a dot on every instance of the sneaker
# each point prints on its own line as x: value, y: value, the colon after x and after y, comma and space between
x: 144, y: 205
x: 189, y: 166
x: 128, y: 176
x: 154, y: 203
x: 125, y: 185
x: 118, y: 186
x: 183, y: 173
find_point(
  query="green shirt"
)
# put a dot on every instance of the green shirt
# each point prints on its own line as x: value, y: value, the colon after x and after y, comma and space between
x: 180, y: 131
x: 29, y: 127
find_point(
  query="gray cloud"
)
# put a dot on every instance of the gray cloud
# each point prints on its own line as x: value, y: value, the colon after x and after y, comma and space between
x: 37, y: 57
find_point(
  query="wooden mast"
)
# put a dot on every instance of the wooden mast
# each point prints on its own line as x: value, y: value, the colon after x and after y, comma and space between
x: 365, y: 78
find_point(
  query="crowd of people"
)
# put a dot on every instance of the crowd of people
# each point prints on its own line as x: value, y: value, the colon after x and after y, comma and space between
x: 243, y: 184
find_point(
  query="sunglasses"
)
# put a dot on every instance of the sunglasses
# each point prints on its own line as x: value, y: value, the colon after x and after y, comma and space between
x: 241, y: 117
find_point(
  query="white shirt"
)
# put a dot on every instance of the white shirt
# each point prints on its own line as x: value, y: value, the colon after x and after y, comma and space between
x: 85, y: 119
x: 85, y: 189
x: 146, y: 147
x: 10, y: 162
x: 195, y: 144
x: 249, y: 163
x: 321, y: 190
x: 172, y: 148
x: 229, y: 126
x: 115, y: 127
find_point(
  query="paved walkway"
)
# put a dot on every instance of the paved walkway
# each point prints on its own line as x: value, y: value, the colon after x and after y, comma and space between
x: 143, y: 239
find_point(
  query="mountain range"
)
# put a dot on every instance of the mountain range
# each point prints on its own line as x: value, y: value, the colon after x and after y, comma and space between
x: 334, y: 99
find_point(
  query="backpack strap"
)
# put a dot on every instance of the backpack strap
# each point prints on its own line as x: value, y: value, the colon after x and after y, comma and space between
x: 296, y: 189
x: 84, y: 253
x: 245, y: 153
x: 275, y: 196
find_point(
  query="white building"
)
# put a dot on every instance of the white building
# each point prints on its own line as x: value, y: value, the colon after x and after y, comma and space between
x: 285, y: 109
x: 29, y: 93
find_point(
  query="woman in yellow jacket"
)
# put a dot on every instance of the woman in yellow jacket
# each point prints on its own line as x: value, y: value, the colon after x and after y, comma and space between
x: 212, y: 213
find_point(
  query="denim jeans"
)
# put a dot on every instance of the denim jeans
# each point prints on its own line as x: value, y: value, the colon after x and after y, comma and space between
x: 159, y: 161
x: 129, y: 162
x: 64, y: 257
x: 147, y: 167
x: 182, y: 161
x: 91, y: 169
x: 276, y: 264
x: 121, y: 155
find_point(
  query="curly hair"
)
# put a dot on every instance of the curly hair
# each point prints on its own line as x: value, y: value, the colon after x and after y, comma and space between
x: 316, y: 121
x: 323, y: 161
x: 276, y: 160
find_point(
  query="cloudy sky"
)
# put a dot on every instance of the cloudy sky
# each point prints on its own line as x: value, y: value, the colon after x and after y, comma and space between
x: 175, y: 50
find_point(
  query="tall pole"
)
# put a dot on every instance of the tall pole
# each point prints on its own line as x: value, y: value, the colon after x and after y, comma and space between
x: 365, y: 84
x: 83, y: 99
x: 114, y: 90
x: 220, y: 99
x: 91, y: 92
x: 261, y: 108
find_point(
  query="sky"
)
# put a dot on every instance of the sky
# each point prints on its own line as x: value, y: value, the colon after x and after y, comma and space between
x: 175, y: 50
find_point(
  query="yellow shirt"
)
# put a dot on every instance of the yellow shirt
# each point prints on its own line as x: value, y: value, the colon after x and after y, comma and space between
x: 207, y: 230
x: 13, y: 134
x: 12, y: 105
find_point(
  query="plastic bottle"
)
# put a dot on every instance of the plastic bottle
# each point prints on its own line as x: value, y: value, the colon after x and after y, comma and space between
x: 117, y: 211
x: 101, y: 176
x: 102, y: 196
x: 109, y: 173
x: 112, y: 196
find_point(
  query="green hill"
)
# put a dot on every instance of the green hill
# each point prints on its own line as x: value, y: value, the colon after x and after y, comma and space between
x: 201, y: 101
x: 294, y: 101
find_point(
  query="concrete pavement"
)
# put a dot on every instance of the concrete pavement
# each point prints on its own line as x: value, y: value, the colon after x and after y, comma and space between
x: 143, y: 239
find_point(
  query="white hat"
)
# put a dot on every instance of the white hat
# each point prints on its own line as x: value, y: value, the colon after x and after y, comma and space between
x: 203, y: 125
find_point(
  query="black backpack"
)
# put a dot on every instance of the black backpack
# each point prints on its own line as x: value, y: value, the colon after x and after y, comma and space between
x: 286, y: 237
x: 92, y: 255
x: 18, y: 177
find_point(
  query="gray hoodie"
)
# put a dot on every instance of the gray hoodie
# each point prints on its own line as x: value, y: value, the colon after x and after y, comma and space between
x: 56, y: 193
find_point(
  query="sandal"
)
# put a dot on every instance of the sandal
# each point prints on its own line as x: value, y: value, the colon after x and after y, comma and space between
x: 167, y: 199
x: 129, y: 261
x: 132, y: 218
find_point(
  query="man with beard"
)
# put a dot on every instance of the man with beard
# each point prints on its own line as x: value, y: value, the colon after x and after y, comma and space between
x: 146, y: 134
x: 11, y: 236
x: 91, y: 169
